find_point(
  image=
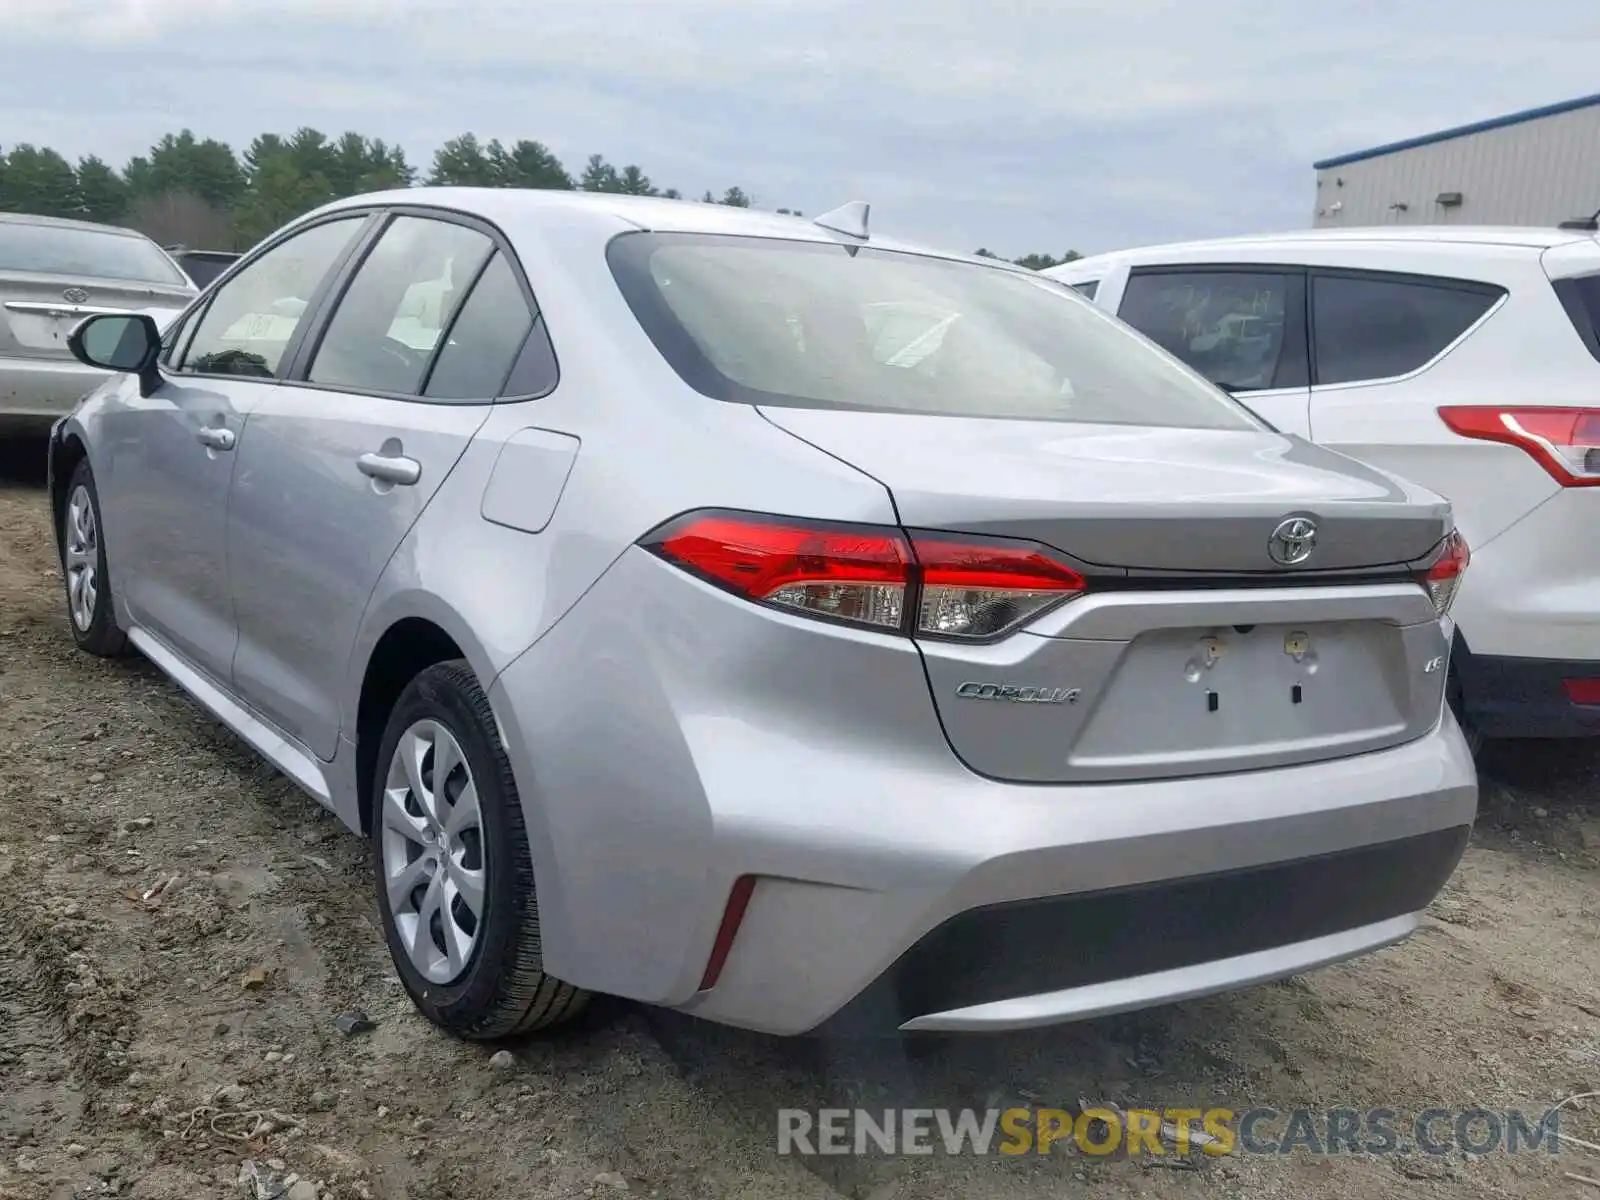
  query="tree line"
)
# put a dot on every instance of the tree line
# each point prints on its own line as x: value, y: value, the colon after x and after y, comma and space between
x: 200, y: 193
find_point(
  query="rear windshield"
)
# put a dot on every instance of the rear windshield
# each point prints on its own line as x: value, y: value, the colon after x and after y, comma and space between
x: 817, y: 325
x: 85, y: 253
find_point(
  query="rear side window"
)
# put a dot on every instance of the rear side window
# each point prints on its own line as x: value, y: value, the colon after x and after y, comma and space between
x: 1581, y: 298
x: 807, y: 324
x: 1088, y: 287
x: 484, y: 340
x: 1377, y: 327
x: 1234, y: 327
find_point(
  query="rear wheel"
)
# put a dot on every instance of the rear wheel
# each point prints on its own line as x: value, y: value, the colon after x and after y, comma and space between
x: 83, y: 562
x: 455, y: 878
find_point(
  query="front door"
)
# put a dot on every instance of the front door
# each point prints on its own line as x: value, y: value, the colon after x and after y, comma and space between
x: 1241, y: 326
x: 173, y: 453
x: 339, y: 463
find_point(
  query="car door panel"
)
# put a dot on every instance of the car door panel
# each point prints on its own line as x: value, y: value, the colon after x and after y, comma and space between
x: 309, y: 533
x: 342, y: 461
x: 175, y: 450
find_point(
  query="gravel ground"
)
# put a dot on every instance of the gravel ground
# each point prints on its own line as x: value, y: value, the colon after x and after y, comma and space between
x: 150, y: 1047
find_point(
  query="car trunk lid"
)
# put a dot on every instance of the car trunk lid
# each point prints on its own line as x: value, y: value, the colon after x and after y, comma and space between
x: 1192, y: 651
x: 38, y: 312
x: 1135, y: 498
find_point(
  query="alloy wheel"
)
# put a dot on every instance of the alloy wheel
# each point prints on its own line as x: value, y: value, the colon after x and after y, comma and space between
x: 83, y: 559
x: 435, y: 871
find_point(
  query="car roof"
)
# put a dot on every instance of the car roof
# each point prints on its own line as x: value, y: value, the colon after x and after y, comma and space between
x: 1530, y: 237
x: 614, y: 213
x: 67, y: 223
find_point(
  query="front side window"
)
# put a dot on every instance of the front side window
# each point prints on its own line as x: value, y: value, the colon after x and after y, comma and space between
x: 1375, y: 327
x: 112, y: 254
x: 252, y: 318
x: 1087, y: 288
x: 1228, y: 325
x: 393, y: 315
x: 818, y: 325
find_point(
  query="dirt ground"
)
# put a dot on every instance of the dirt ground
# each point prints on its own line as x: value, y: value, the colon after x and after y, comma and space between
x: 143, y: 1043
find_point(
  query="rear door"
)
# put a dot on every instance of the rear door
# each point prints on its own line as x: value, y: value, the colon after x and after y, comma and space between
x: 1242, y: 326
x: 338, y: 463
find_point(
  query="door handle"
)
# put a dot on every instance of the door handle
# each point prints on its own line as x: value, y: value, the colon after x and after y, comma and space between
x: 215, y: 439
x: 390, y: 468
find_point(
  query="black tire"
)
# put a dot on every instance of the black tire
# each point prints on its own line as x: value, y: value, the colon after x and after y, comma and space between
x: 101, y: 636
x: 503, y: 990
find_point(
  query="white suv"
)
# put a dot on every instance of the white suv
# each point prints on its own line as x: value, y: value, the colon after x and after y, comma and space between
x: 1464, y: 359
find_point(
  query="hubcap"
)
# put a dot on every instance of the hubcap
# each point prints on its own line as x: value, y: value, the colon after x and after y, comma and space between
x: 83, y: 559
x: 434, y: 868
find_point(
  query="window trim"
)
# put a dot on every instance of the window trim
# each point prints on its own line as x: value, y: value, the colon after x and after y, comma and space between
x: 1446, y: 283
x: 196, y: 315
x: 316, y: 329
x: 1293, y: 372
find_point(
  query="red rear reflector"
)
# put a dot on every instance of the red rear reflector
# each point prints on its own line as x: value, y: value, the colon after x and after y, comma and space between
x: 969, y: 588
x: 738, y: 900
x: 1564, y: 441
x: 1582, y: 691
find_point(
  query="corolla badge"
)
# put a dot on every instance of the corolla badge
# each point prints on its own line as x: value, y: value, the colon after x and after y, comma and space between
x: 1292, y: 541
x: 1017, y: 694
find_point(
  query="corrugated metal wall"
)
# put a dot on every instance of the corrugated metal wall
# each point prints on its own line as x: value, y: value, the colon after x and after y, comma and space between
x: 1539, y: 172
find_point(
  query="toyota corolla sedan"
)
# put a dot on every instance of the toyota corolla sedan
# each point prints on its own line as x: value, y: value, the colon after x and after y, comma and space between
x: 769, y: 620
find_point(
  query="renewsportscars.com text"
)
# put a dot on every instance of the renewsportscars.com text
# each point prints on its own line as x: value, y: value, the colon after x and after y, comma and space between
x: 1178, y: 1131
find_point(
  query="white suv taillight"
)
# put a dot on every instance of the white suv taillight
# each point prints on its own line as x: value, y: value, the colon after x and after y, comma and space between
x: 922, y: 585
x: 1564, y: 441
x: 1443, y: 579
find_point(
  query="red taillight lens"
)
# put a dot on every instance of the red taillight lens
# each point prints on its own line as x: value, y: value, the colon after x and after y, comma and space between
x: 1564, y: 441
x: 1443, y: 579
x: 977, y: 589
x: 846, y: 574
x: 932, y: 585
x: 1582, y: 691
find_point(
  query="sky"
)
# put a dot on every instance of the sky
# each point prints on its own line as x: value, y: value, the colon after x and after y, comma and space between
x: 1016, y: 126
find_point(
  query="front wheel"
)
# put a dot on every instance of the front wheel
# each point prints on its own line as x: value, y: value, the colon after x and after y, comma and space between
x: 454, y: 875
x: 83, y: 563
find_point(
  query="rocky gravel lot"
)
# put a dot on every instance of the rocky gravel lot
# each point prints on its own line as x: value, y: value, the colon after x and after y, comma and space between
x: 181, y: 932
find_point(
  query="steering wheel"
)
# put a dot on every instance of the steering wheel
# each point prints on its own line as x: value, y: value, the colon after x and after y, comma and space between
x: 397, y: 349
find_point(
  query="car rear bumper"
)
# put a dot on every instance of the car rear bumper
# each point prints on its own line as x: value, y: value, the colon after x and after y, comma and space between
x: 894, y: 888
x: 44, y: 389
x: 1510, y: 697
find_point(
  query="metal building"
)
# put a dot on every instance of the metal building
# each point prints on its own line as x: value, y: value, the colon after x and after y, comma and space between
x: 1539, y: 167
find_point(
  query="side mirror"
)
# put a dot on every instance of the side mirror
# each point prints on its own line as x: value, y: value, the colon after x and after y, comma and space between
x: 128, y: 343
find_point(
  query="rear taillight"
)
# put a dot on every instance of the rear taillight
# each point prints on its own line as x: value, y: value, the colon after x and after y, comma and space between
x: 926, y: 585
x: 1564, y: 441
x: 1443, y: 579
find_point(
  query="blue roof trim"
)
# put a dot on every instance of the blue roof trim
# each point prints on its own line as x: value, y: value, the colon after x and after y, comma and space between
x: 1445, y: 135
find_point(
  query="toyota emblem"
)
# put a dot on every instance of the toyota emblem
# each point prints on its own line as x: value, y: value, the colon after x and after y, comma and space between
x: 75, y: 296
x: 1292, y: 541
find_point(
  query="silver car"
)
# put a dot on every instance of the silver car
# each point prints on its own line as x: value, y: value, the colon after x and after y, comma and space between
x: 670, y: 634
x: 53, y: 274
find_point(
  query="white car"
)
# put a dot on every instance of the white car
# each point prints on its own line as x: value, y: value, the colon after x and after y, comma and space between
x: 1464, y: 359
